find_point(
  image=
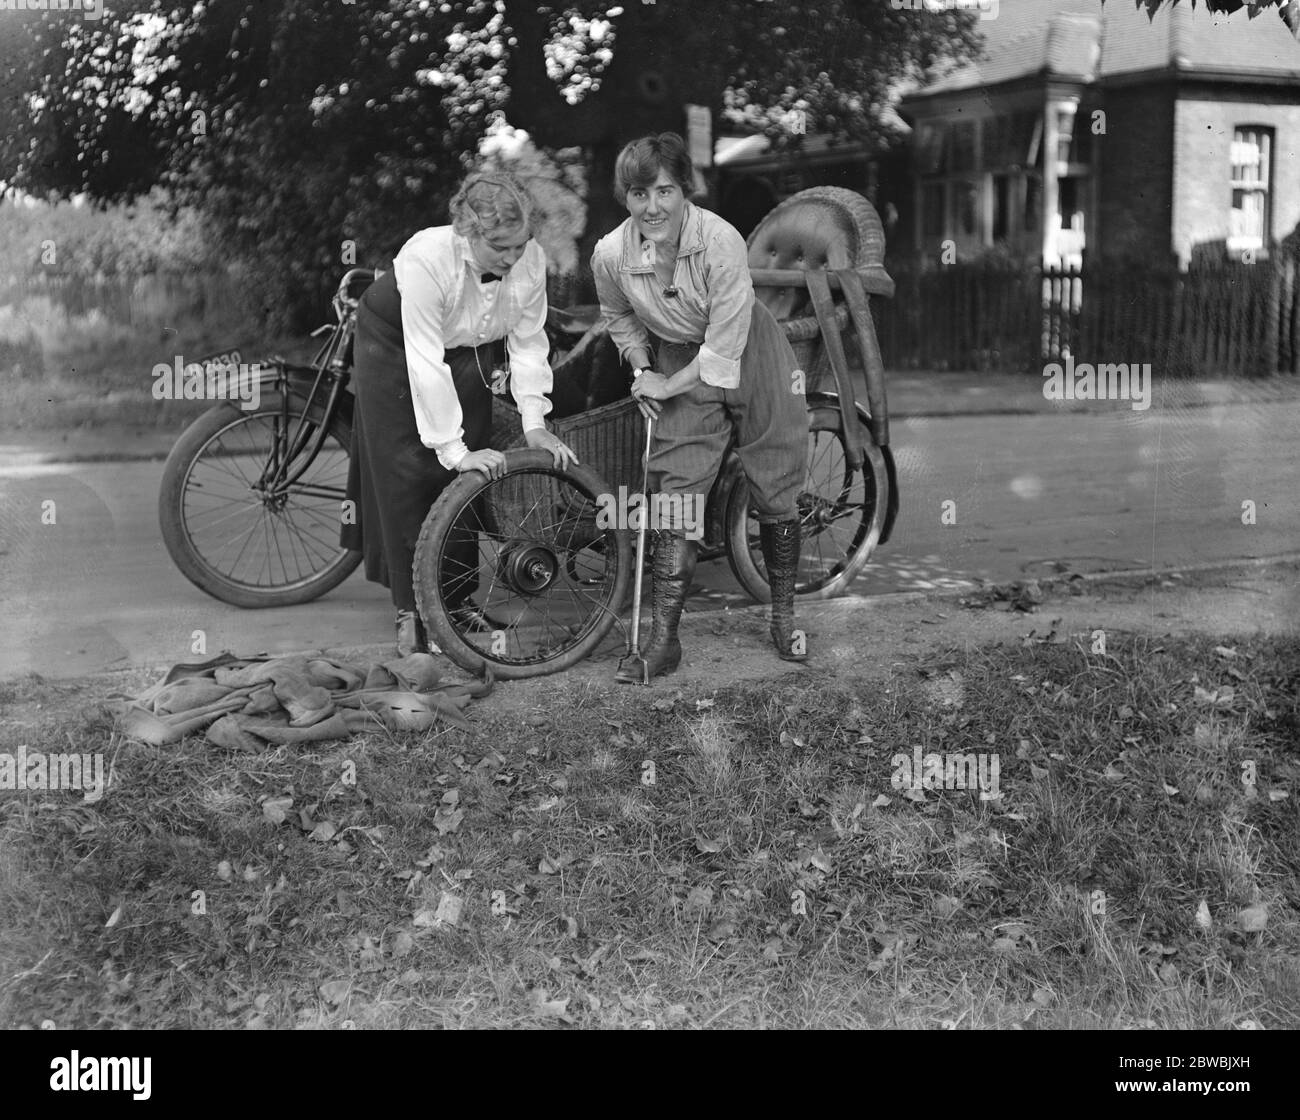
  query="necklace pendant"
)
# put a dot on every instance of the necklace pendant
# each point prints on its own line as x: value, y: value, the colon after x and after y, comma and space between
x: 500, y: 381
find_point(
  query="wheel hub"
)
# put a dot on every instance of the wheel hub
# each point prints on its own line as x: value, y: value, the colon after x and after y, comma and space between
x: 529, y: 569
x: 273, y: 500
x: 816, y: 513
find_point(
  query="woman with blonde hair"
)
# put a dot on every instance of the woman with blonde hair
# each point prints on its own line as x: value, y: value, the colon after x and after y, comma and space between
x: 424, y: 377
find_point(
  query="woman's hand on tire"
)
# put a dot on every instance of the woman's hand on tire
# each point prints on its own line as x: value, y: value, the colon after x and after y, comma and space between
x: 543, y: 440
x: 491, y: 463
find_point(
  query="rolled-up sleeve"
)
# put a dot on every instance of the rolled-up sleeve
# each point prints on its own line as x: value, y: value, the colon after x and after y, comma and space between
x: 731, y: 303
x: 438, y: 416
x: 531, y: 378
x: 624, y: 327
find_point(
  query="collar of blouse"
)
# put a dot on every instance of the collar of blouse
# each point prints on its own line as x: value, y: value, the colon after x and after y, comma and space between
x: 465, y: 262
x: 691, y: 241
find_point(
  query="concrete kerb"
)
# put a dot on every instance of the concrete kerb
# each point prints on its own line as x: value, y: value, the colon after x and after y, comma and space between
x: 1047, y: 582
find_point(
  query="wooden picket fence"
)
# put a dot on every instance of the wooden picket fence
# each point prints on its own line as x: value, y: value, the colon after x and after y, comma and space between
x: 1226, y: 320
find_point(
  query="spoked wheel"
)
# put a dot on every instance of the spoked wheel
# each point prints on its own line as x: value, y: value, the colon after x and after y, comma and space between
x: 237, y: 534
x: 527, y: 550
x: 841, y: 512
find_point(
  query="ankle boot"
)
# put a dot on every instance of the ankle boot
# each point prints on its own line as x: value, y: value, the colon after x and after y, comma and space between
x: 780, y: 543
x: 671, y: 571
x: 410, y: 634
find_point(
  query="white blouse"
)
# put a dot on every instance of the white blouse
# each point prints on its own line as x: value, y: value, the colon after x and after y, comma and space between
x: 444, y: 306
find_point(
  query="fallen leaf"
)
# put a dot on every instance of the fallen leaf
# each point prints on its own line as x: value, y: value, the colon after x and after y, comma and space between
x: 1112, y: 774
x: 335, y: 991
x: 372, y: 958
x: 448, y: 820
x: 644, y: 955
x: 704, y: 845
x: 699, y: 898
x: 1203, y: 919
x: 1172, y: 791
x: 945, y: 906
x: 1219, y: 697
x: 402, y: 944
x: 553, y: 1008
x: 449, y: 908
x: 1278, y: 795
x: 774, y: 949
x: 224, y: 871
x: 276, y: 809
x: 113, y: 918
x: 881, y: 801
x: 325, y: 831
x: 1253, y: 918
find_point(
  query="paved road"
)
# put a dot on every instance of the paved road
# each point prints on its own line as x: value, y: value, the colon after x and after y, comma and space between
x: 1112, y: 490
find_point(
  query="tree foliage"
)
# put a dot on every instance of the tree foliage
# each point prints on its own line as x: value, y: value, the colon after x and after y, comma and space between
x: 1289, y: 10
x: 297, y: 126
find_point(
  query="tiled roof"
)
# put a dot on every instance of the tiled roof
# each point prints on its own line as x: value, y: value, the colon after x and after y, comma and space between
x: 1084, y: 39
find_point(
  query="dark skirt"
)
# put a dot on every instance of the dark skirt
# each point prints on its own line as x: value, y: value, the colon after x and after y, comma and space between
x: 393, y: 478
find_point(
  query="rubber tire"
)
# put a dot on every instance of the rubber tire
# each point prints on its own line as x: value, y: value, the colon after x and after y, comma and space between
x: 446, y: 510
x: 824, y: 412
x: 188, y: 448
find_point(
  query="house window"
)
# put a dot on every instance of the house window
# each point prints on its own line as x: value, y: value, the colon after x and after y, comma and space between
x: 1033, y: 202
x: 932, y: 211
x: 964, y: 152
x: 1001, y: 207
x: 968, y: 205
x: 931, y: 147
x: 1064, y: 133
x: 1250, y: 220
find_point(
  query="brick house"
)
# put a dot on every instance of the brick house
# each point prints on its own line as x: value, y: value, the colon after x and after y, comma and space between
x: 1091, y: 129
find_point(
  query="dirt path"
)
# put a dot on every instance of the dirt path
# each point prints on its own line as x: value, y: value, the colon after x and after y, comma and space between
x: 853, y: 639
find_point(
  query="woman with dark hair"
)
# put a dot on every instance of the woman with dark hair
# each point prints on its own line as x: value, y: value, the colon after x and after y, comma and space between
x: 423, y: 373
x: 675, y: 292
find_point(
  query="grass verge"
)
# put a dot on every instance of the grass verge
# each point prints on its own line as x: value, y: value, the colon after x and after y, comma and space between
x: 740, y: 857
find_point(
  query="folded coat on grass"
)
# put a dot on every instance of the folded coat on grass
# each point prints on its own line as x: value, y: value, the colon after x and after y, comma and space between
x: 242, y: 704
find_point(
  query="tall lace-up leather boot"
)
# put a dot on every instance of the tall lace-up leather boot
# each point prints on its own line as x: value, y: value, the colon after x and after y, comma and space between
x: 780, y: 544
x: 671, y: 570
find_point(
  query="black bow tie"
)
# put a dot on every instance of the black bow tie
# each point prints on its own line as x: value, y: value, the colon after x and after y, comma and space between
x: 488, y: 277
